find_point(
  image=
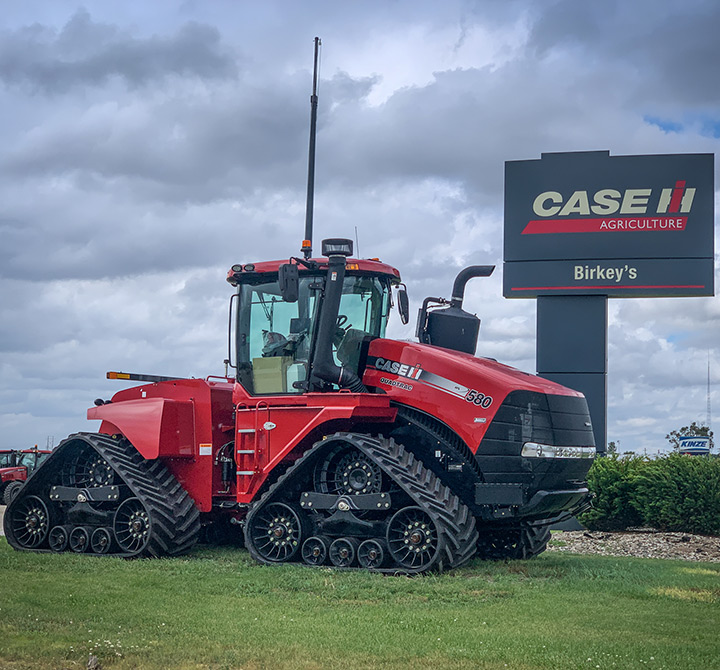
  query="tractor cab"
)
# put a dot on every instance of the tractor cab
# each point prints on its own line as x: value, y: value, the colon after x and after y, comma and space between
x: 304, y: 325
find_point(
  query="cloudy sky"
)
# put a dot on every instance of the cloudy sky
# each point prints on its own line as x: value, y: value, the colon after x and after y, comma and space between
x: 148, y: 146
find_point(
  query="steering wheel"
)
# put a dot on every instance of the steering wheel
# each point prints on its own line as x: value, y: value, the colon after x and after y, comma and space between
x: 341, y: 321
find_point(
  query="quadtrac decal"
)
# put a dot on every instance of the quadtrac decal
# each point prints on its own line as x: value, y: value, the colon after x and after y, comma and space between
x: 416, y: 373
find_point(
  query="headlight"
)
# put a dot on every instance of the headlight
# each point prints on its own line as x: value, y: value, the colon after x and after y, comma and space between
x: 536, y: 450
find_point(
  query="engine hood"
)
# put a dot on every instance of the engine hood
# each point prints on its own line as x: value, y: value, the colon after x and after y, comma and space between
x: 462, y: 390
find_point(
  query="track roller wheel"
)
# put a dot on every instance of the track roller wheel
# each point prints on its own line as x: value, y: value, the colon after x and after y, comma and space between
x: 372, y: 554
x: 413, y: 539
x: 132, y: 526
x: 101, y: 540
x: 315, y: 550
x: 58, y: 538
x: 343, y: 551
x: 30, y: 522
x: 277, y: 532
x: 79, y: 539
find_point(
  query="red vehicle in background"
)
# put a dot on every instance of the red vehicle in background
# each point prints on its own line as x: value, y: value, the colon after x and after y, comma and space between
x: 15, y: 467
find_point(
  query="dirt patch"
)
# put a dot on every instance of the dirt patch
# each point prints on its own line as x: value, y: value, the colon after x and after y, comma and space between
x: 643, y: 544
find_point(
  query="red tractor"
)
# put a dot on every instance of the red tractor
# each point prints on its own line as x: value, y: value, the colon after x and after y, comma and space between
x: 329, y: 444
x: 16, y: 466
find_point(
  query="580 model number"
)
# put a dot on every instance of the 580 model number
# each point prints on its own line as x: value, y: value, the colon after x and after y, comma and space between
x: 480, y: 399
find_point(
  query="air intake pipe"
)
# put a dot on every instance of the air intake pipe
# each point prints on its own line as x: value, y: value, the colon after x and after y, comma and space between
x: 452, y: 327
x: 323, y: 365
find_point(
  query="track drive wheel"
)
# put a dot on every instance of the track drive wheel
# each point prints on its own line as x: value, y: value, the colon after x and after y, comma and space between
x: 347, y: 471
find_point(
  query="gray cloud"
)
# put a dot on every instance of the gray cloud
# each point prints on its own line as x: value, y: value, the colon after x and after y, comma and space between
x: 84, y: 53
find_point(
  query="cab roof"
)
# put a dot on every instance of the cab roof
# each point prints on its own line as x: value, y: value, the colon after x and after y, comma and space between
x: 354, y: 266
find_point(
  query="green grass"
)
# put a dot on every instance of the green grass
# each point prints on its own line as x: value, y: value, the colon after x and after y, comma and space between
x: 216, y: 609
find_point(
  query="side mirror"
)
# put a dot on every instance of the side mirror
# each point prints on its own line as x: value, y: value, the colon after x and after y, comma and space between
x: 403, y: 305
x: 288, y: 278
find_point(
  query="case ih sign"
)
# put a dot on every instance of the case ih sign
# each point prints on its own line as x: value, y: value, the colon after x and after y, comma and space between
x: 624, y: 226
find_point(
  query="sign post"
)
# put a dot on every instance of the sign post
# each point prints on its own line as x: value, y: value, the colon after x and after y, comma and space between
x: 584, y: 227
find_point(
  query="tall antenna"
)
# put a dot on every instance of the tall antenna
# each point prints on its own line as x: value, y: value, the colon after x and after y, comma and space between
x: 307, y: 242
x: 708, y: 393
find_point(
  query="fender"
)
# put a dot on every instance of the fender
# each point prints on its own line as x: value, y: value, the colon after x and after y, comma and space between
x: 157, y: 427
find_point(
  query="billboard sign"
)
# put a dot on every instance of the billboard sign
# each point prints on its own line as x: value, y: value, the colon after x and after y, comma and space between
x: 587, y: 223
x: 694, y: 445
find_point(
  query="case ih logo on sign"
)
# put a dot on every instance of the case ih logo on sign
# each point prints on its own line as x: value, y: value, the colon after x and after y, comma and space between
x: 633, y: 209
x: 593, y: 223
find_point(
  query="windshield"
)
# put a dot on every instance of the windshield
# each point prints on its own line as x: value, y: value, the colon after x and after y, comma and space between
x: 274, y: 337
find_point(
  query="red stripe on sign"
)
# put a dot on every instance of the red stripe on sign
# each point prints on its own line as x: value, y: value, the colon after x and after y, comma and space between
x: 607, y: 225
x: 584, y: 288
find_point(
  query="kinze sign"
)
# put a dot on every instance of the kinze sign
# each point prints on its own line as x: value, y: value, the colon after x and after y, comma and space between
x: 589, y: 223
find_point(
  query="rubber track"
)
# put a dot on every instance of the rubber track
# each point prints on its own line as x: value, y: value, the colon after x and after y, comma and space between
x: 424, y: 488
x: 174, y: 518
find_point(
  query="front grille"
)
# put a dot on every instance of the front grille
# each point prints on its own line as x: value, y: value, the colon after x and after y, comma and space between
x: 526, y: 416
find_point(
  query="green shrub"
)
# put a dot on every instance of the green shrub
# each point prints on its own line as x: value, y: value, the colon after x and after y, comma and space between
x: 611, y: 480
x: 680, y: 493
x: 673, y: 493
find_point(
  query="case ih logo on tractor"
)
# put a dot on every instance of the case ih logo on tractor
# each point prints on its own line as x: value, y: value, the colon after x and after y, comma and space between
x: 635, y: 209
x: 318, y: 448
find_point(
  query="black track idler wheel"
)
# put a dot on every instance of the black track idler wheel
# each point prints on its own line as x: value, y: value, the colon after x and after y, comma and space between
x: 372, y: 554
x: 414, y: 539
x: 132, y: 526
x: 29, y: 521
x: 277, y: 532
x: 343, y: 551
x: 315, y: 550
